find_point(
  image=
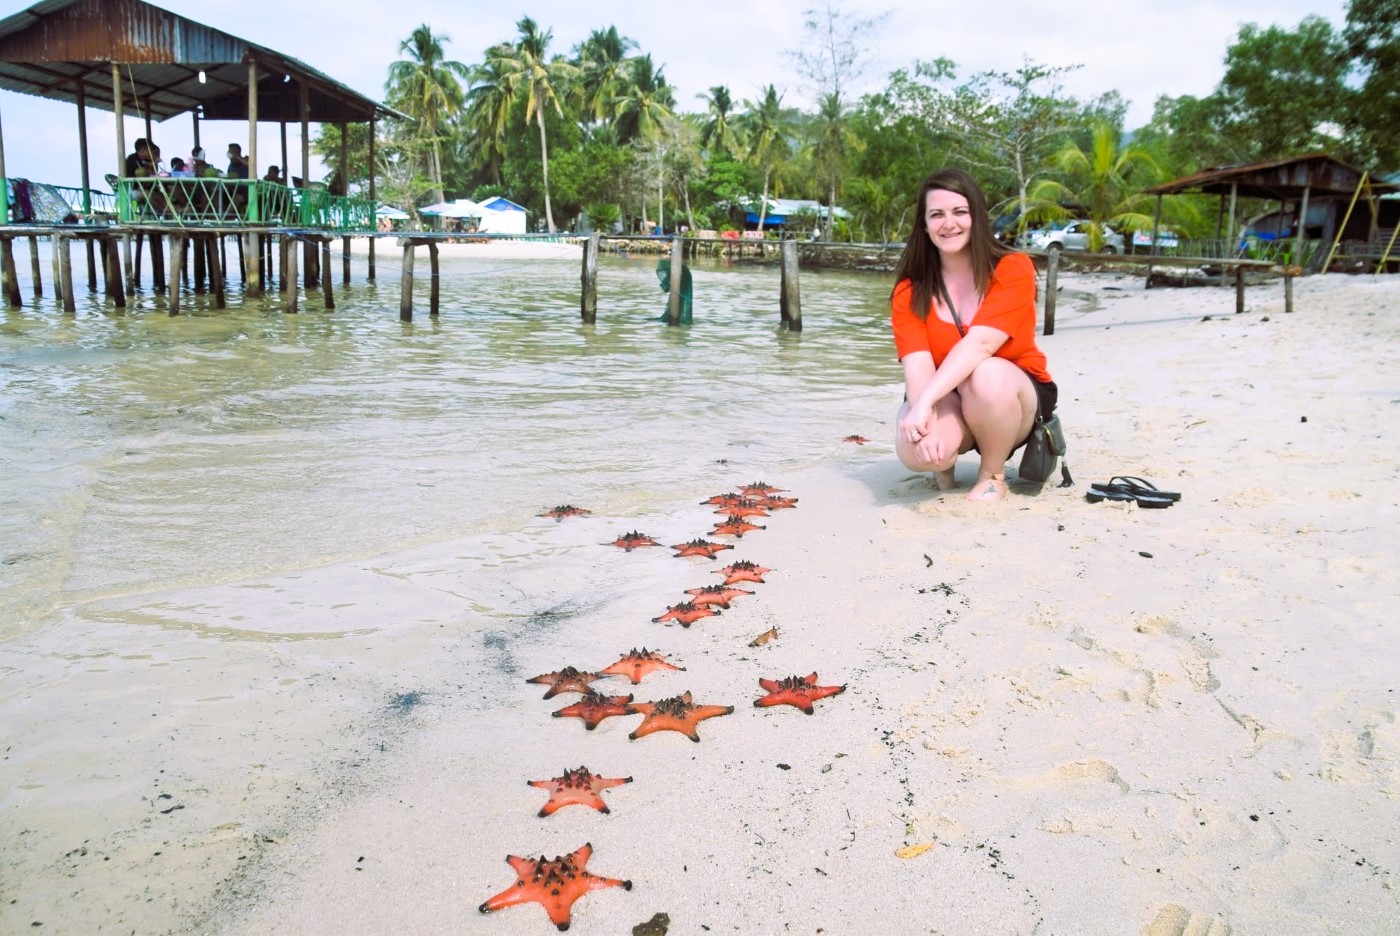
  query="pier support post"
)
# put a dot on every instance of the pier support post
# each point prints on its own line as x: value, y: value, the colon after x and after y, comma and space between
x: 133, y: 279
x: 1239, y: 289
x: 252, y: 262
x: 313, y: 265
x: 177, y: 251
x: 8, y: 274
x: 673, y: 306
x: 57, y: 272
x: 406, y: 284
x: 218, y: 256
x: 34, y: 266
x: 157, y: 242
x: 1052, y: 273
x: 201, y: 255
x: 434, y: 280
x: 1287, y: 293
x: 790, y: 298
x: 64, y: 284
x: 126, y: 259
x: 289, y: 274
x: 113, y: 275
x: 326, y: 293
x: 345, y: 261
x: 91, y: 264
x: 588, y: 300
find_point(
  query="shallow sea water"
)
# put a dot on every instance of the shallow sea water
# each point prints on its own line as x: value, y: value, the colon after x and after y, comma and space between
x: 141, y: 452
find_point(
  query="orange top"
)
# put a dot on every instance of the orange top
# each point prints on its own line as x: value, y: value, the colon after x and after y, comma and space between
x: 1009, y: 307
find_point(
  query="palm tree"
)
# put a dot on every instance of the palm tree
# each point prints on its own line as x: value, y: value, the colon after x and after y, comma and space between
x: 1108, y: 180
x: 539, y: 81
x: 831, y: 145
x: 426, y: 86
x: 644, y: 102
x: 488, y: 111
x: 766, y: 125
x: 718, y: 134
x: 602, y: 60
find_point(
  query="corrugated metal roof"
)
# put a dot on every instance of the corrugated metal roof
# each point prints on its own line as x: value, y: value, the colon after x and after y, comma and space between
x: 1320, y: 173
x: 46, y: 49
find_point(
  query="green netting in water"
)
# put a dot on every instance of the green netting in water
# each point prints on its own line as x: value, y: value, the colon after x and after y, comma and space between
x: 663, y: 273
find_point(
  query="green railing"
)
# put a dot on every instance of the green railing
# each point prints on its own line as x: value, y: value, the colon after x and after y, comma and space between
x: 188, y: 202
x: 52, y: 204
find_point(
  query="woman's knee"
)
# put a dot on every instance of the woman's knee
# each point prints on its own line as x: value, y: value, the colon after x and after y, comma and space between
x: 995, y: 379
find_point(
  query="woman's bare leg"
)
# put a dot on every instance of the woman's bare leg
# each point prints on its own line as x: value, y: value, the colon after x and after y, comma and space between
x: 998, y: 406
x: 948, y: 425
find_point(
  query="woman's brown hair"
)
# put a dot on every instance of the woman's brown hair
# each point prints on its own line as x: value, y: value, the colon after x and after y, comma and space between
x: 921, y: 263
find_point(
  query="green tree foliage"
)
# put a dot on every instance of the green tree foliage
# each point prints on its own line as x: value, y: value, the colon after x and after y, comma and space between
x: 1372, y: 40
x: 427, y: 86
x: 644, y: 103
x: 1106, y: 180
x: 719, y: 133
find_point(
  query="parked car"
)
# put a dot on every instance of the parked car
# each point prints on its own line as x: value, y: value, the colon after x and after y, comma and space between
x: 1075, y: 236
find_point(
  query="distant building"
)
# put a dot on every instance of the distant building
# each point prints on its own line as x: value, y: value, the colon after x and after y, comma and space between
x: 796, y: 215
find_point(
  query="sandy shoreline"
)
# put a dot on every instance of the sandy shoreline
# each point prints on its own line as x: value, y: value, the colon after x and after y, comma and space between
x: 1098, y: 719
x: 481, y: 250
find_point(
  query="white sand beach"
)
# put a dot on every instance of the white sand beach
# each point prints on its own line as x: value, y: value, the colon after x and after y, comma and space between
x: 483, y: 249
x: 1060, y: 717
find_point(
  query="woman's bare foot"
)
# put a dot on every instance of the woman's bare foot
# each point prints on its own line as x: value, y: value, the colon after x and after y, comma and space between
x: 944, y: 481
x: 988, y: 489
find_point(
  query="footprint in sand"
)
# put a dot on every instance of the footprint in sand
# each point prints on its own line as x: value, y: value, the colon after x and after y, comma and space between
x: 1176, y: 920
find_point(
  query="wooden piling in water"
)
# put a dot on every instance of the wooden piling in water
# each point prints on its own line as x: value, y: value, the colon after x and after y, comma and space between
x: 64, y: 283
x: 434, y: 280
x: 200, y: 256
x: 345, y: 261
x: 221, y: 262
x: 9, y: 277
x: 1239, y: 289
x: 1052, y: 273
x: 53, y: 262
x: 289, y: 274
x: 177, y: 253
x: 91, y: 264
x: 790, y: 292
x: 252, y: 263
x: 157, y: 242
x: 218, y: 256
x: 406, y: 284
x: 114, y: 276
x: 588, y: 299
x: 313, y: 265
x: 133, y: 281
x: 34, y: 266
x: 326, y: 294
x: 673, y: 305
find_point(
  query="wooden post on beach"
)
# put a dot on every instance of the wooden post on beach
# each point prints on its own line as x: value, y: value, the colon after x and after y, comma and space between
x: 65, y: 274
x: 1052, y: 273
x: 1287, y: 292
x: 326, y: 293
x: 434, y: 280
x: 588, y: 300
x: 673, y: 306
x: 177, y: 252
x: 34, y: 266
x: 406, y: 283
x: 790, y: 293
x: 8, y: 273
x: 289, y: 274
x: 217, y: 259
x: 1239, y: 289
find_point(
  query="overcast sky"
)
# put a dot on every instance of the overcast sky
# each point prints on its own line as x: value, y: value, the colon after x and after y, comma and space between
x: 1141, y: 48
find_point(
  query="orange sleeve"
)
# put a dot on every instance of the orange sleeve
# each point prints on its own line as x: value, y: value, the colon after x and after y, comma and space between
x: 910, y: 332
x: 1010, y: 303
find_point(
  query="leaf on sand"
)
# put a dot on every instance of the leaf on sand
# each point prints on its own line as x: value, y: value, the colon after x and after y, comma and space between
x: 912, y: 851
x: 763, y: 638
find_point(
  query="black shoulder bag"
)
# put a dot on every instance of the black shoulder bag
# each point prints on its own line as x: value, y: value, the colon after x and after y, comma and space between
x: 1046, y: 444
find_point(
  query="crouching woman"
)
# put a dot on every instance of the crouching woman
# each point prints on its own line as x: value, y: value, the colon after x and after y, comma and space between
x: 963, y: 315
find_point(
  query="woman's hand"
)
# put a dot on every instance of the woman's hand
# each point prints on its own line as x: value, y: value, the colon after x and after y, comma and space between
x: 914, y: 427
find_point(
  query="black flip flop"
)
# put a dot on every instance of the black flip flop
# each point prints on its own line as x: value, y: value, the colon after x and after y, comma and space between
x: 1100, y: 492
x: 1142, y: 496
x: 1139, y: 486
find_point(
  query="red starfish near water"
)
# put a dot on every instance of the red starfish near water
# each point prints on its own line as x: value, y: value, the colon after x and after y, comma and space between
x: 554, y: 885
x: 715, y: 595
x: 594, y: 707
x: 743, y: 508
x: 699, y: 547
x: 686, y: 613
x: 735, y: 526
x: 858, y: 440
x: 638, y: 663
x: 760, y: 489
x: 565, y: 510
x: 771, y: 502
x: 677, y: 713
x: 743, y: 571
x: 567, y: 679
x: 724, y: 500
x: 630, y: 541
x: 797, y: 691
x: 576, y: 787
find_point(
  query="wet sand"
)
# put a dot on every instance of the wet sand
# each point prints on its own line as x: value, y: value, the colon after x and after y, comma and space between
x: 1060, y: 717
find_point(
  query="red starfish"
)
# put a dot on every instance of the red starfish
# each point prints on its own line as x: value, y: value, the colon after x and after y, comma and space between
x: 735, y: 526
x: 554, y: 885
x: 567, y: 679
x: 699, y: 547
x: 743, y: 571
x: 576, y: 786
x: 724, y: 500
x: 715, y: 594
x: 565, y: 510
x: 675, y: 714
x: 776, y: 503
x: 743, y: 508
x: 760, y: 489
x: 797, y: 691
x: 686, y: 613
x: 594, y: 707
x: 637, y: 664
x: 858, y: 440
x: 630, y: 541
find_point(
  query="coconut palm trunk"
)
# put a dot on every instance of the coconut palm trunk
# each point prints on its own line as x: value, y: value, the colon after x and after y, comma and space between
x: 544, y: 163
x: 763, y: 205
